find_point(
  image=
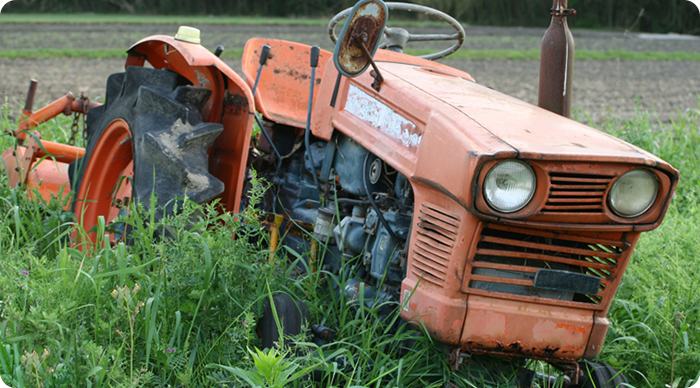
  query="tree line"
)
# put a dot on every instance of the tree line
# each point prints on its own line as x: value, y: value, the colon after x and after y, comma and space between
x: 679, y: 16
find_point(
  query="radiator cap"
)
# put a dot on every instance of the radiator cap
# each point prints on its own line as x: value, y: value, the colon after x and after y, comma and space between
x: 188, y: 34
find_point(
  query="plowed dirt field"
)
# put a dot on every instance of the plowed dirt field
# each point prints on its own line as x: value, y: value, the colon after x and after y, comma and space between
x: 602, y: 89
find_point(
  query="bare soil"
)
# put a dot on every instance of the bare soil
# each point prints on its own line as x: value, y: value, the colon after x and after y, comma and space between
x: 602, y: 89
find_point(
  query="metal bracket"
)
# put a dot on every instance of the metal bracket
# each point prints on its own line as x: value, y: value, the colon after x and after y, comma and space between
x: 456, y: 358
x: 378, y: 79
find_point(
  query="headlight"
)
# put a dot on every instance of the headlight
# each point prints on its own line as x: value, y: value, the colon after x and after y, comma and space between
x: 509, y: 186
x: 633, y: 193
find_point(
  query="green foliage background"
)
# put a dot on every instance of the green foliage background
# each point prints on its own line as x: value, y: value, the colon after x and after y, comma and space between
x: 679, y: 16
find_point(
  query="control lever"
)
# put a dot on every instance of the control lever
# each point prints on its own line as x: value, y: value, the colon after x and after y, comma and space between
x: 315, y: 52
x: 264, y: 54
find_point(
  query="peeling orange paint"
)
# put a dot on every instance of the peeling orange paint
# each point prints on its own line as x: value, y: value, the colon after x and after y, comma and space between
x: 573, y: 328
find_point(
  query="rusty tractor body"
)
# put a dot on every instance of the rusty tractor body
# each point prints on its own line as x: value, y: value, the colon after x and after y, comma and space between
x: 406, y: 169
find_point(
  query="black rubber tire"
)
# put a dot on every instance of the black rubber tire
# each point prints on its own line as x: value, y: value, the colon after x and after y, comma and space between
x: 598, y: 374
x: 170, y: 140
x: 293, y: 316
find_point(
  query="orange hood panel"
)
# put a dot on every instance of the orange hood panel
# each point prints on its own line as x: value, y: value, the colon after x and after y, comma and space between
x: 531, y: 131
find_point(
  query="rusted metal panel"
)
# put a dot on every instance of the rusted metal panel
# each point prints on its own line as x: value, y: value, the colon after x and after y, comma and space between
x: 557, y: 62
x: 526, y: 330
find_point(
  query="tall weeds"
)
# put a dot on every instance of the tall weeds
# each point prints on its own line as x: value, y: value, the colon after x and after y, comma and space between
x: 182, y: 311
x: 659, y: 297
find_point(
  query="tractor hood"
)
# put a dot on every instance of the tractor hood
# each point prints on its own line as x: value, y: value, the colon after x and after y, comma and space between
x: 532, y: 132
x: 438, y: 127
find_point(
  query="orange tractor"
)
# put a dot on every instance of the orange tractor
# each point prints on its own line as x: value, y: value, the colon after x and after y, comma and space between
x: 502, y: 227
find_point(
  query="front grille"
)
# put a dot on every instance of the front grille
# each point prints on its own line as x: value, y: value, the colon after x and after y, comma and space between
x: 508, y: 258
x: 437, y: 233
x: 576, y: 193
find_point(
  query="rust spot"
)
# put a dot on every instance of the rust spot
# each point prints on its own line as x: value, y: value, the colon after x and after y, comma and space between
x: 516, y: 346
x: 458, y: 276
x: 277, y: 71
x: 235, y: 102
x: 366, y: 24
x: 573, y: 328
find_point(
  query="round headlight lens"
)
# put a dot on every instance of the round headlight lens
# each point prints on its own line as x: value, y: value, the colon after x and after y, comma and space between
x: 633, y: 193
x: 509, y: 186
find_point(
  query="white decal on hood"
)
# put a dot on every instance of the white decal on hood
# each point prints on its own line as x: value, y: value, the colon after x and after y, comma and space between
x: 380, y: 116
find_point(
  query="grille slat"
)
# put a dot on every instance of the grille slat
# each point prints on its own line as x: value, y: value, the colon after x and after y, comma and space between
x: 547, y: 247
x: 507, y: 259
x: 574, y: 193
x: 560, y: 186
x: 581, y: 200
x: 598, y: 208
x: 563, y: 177
x: 504, y: 267
x: 494, y: 279
x: 568, y: 237
x: 538, y: 256
x: 437, y: 233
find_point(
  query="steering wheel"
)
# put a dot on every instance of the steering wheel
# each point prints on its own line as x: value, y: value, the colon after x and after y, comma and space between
x: 399, y: 37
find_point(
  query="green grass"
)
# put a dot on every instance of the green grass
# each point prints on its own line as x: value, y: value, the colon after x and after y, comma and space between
x: 182, y: 312
x: 660, y: 292
x: 88, y: 18
x: 463, y: 54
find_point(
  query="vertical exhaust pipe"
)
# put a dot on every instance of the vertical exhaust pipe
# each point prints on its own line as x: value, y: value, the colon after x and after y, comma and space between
x: 557, y: 62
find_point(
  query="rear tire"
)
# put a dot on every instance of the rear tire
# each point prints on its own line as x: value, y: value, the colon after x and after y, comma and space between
x: 169, y: 138
x: 598, y: 374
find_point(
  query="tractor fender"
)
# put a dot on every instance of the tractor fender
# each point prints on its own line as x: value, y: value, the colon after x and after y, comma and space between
x: 230, y: 104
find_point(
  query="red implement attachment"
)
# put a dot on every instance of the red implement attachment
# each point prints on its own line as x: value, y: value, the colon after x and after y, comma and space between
x: 67, y: 104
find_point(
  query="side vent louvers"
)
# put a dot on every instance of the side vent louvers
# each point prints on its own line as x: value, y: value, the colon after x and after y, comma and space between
x: 437, y: 233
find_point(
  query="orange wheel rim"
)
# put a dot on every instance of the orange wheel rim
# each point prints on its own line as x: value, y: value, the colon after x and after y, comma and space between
x: 104, y: 189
